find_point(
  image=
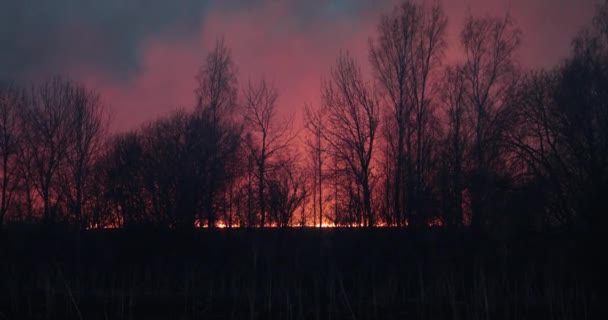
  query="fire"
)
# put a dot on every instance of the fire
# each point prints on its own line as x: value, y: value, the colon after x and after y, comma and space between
x: 435, y: 222
x: 200, y: 224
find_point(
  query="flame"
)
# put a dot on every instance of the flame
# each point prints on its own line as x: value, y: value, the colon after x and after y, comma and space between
x: 200, y: 224
x: 435, y: 222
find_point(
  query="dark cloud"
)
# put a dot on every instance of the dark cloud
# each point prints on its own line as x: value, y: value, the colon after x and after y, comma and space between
x: 44, y: 37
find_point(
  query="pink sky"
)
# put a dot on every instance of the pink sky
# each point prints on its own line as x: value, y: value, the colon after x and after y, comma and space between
x: 267, y: 41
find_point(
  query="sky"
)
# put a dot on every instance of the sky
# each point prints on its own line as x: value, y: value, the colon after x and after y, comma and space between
x: 142, y: 55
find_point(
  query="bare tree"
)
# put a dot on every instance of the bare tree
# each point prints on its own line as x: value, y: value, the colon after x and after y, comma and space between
x: 217, y: 82
x: 561, y: 139
x: 101, y: 211
x: 216, y: 104
x: 89, y: 125
x: 11, y: 101
x: 251, y: 221
x: 454, y: 151
x: 489, y: 72
x: 314, y: 123
x: 287, y: 192
x: 268, y: 135
x: 125, y: 179
x: 352, y: 116
x: 405, y: 57
x: 171, y: 179
x: 26, y: 193
x: 48, y: 122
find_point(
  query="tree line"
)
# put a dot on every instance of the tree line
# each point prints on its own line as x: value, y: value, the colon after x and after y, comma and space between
x: 482, y: 142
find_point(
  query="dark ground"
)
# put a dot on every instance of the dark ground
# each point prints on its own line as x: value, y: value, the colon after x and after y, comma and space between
x: 297, y: 274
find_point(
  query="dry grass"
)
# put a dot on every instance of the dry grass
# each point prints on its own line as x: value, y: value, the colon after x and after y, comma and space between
x: 292, y: 274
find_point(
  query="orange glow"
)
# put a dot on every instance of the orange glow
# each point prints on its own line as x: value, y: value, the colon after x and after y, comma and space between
x: 95, y: 226
x: 200, y: 224
x: 435, y: 222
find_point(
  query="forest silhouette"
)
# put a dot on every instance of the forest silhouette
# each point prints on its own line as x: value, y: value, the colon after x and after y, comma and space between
x: 483, y: 143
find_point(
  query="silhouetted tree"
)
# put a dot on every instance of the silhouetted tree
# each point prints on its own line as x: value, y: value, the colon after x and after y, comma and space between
x: 582, y: 105
x: 12, y: 99
x: 405, y: 57
x: 454, y: 153
x: 26, y: 200
x: 251, y: 218
x: 89, y: 123
x: 101, y: 210
x: 286, y: 192
x: 48, y: 132
x: 170, y: 171
x: 217, y: 145
x: 489, y: 72
x: 268, y: 136
x: 216, y: 126
x: 314, y: 124
x: 217, y: 82
x: 563, y: 133
x: 125, y: 180
x: 534, y: 143
x: 352, y: 116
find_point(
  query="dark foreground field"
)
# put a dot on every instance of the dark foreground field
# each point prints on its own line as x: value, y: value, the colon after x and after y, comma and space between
x: 296, y: 274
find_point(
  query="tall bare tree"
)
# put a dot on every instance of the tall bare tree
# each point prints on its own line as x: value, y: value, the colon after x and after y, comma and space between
x: 352, y: 115
x: 489, y: 73
x: 89, y: 125
x: 11, y: 101
x: 454, y: 151
x: 269, y: 136
x: 216, y: 105
x: 405, y: 57
x: 314, y: 123
x: 217, y: 82
x: 48, y: 122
